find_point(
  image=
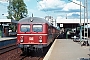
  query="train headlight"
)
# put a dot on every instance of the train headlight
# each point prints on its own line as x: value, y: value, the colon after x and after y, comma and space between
x: 21, y: 41
x: 40, y: 41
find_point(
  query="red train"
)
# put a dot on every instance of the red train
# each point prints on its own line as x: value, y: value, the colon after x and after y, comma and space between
x: 34, y: 33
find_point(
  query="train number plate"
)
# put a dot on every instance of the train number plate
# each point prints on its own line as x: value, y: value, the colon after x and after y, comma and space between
x: 30, y: 38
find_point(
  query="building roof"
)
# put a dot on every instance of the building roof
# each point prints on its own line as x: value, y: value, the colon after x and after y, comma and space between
x: 8, y: 20
x: 71, y: 20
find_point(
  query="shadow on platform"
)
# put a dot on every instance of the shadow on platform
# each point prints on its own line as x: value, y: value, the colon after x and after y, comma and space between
x: 84, y: 58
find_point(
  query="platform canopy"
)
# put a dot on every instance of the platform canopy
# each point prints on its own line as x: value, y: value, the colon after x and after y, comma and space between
x: 8, y: 20
x: 58, y: 20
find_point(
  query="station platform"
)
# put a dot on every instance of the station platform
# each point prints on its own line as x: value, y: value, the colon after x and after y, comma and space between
x: 7, y: 38
x: 66, y: 49
x: 4, y: 41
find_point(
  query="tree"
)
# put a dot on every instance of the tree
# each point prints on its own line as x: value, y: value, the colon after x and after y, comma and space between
x: 17, y: 9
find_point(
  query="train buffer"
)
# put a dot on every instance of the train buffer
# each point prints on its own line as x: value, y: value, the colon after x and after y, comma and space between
x: 66, y: 49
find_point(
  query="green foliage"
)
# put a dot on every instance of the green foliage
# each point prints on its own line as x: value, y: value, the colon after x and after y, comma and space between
x: 11, y: 27
x: 17, y: 9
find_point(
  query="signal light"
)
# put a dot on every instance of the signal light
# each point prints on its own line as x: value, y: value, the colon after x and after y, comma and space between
x: 40, y: 37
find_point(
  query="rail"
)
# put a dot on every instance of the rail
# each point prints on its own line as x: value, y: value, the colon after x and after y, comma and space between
x: 7, y: 48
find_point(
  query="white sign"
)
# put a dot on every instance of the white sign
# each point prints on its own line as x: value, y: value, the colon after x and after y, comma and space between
x: 30, y: 38
x: 61, y: 25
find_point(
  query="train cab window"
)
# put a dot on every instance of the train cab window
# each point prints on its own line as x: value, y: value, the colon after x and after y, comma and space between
x: 25, y: 28
x: 37, y: 28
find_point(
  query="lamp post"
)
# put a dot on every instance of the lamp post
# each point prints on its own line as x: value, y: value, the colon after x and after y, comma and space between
x: 80, y: 24
x: 87, y: 17
x: 84, y: 18
x: 80, y: 19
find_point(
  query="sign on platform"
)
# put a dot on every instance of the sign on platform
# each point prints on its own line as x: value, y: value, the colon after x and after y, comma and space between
x: 61, y: 25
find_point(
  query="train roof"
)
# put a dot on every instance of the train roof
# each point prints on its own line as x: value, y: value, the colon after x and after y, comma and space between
x: 29, y: 20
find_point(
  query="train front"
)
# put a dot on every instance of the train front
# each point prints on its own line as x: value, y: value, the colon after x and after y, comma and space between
x: 31, y: 36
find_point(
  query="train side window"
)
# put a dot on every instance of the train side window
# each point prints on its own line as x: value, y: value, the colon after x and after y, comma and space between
x: 37, y: 28
x: 25, y: 28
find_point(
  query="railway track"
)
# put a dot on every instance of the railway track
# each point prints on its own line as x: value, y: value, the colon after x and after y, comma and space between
x: 31, y: 58
x: 7, y: 48
x: 11, y: 52
x: 20, y: 56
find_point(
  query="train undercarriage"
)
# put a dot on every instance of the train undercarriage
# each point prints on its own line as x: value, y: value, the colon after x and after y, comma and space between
x: 29, y: 48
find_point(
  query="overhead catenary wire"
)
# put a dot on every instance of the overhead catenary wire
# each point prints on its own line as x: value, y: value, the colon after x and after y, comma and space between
x: 41, y: 6
x: 76, y: 3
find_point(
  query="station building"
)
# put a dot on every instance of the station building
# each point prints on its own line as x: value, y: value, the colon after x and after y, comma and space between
x: 70, y: 23
x: 66, y: 25
x: 4, y: 26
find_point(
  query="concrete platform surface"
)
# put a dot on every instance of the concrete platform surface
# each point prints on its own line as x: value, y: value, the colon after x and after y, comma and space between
x: 7, y: 38
x: 66, y: 49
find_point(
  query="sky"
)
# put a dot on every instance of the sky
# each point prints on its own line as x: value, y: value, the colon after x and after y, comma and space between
x: 54, y: 8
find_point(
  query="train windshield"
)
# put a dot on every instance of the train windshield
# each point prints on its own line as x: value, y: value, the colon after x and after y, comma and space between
x: 25, y: 28
x: 37, y: 28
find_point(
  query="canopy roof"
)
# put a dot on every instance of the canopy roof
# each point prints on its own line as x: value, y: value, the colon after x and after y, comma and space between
x: 8, y: 20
